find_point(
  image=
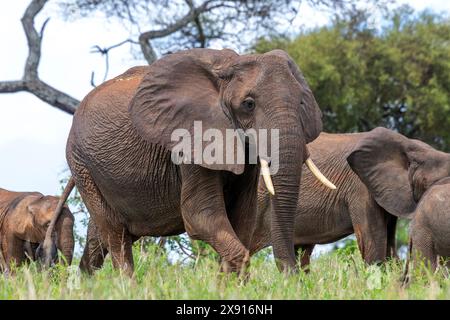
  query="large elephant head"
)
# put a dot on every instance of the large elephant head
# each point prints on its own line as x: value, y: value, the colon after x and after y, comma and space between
x: 38, y: 216
x: 397, y: 170
x: 224, y: 91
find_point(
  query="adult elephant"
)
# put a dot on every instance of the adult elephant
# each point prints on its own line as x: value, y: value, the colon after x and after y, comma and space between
x: 381, y: 175
x: 119, y: 151
x: 24, y: 219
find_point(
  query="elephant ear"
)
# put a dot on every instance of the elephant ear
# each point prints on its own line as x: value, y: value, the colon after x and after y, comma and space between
x: 382, y: 164
x: 34, y: 207
x: 179, y: 89
x: 311, y: 116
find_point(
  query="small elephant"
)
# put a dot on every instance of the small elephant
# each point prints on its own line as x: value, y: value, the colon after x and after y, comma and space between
x: 24, y: 219
x: 381, y: 175
x: 430, y: 225
x: 120, y: 151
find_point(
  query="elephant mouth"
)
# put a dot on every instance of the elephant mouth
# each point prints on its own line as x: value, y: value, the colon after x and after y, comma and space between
x: 265, y: 172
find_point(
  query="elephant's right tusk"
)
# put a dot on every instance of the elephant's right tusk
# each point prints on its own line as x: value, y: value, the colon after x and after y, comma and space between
x: 265, y: 171
x: 316, y: 172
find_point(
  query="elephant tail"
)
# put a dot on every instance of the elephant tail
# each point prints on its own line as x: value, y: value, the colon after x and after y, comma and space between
x: 49, y: 241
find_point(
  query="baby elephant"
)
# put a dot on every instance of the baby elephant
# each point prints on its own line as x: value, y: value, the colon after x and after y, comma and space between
x: 24, y: 218
x: 430, y: 226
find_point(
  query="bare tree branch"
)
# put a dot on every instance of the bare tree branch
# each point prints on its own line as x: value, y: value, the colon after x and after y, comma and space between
x: 105, y: 52
x: 184, y: 249
x: 198, y: 25
x: 145, y: 37
x: 12, y: 86
x: 204, y: 21
x: 30, y: 80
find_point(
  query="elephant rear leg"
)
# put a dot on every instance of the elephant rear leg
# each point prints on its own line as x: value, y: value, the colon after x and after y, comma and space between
x: 111, y: 232
x: 94, y: 251
x: 304, y: 252
x: 370, y: 227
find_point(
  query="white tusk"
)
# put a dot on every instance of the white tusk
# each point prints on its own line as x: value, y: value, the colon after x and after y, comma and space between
x: 316, y: 172
x: 265, y: 171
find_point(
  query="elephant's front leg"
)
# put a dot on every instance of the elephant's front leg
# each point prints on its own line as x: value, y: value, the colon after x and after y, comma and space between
x: 14, y: 250
x: 205, y: 216
x: 241, y: 205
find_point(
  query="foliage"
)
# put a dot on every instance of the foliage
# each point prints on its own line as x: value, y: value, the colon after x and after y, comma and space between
x: 159, y: 27
x: 346, y: 247
x: 232, y: 22
x: 402, y: 234
x: 396, y: 76
x: 331, y: 277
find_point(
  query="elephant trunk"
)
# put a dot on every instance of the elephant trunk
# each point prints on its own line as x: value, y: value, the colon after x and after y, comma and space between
x: 291, y: 154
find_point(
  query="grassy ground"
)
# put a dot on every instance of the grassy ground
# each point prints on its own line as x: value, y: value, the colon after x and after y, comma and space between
x: 336, y: 275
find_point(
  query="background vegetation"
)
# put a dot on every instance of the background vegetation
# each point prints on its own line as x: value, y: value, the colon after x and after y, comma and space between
x: 364, y: 74
x: 337, y: 275
x: 367, y: 68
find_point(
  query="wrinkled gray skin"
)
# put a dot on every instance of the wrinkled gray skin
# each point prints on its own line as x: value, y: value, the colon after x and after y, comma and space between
x: 119, y: 153
x: 380, y: 175
x: 430, y: 225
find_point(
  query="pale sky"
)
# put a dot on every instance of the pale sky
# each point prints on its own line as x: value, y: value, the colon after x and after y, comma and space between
x: 33, y: 134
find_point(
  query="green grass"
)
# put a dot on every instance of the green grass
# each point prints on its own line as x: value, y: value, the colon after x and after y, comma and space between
x: 336, y: 275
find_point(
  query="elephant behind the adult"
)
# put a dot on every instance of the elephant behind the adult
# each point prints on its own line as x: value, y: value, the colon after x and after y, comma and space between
x: 429, y: 239
x: 24, y: 219
x: 119, y: 151
x: 381, y: 175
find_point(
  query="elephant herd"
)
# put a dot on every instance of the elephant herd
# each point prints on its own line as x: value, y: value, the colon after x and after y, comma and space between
x: 120, y: 150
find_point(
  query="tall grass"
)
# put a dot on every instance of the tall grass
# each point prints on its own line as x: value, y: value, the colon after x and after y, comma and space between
x: 336, y: 275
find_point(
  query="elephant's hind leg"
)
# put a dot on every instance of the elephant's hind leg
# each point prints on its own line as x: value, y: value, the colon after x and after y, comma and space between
x: 370, y: 227
x: 94, y: 251
x: 112, y: 233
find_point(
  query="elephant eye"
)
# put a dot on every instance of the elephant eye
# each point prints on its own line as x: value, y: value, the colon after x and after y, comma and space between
x: 248, y: 104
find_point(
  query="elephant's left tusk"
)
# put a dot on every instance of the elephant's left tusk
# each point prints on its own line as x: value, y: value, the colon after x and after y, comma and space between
x: 265, y: 171
x: 316, y: 172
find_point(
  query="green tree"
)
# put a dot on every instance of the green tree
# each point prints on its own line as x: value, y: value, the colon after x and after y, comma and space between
x: 396, y: 76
